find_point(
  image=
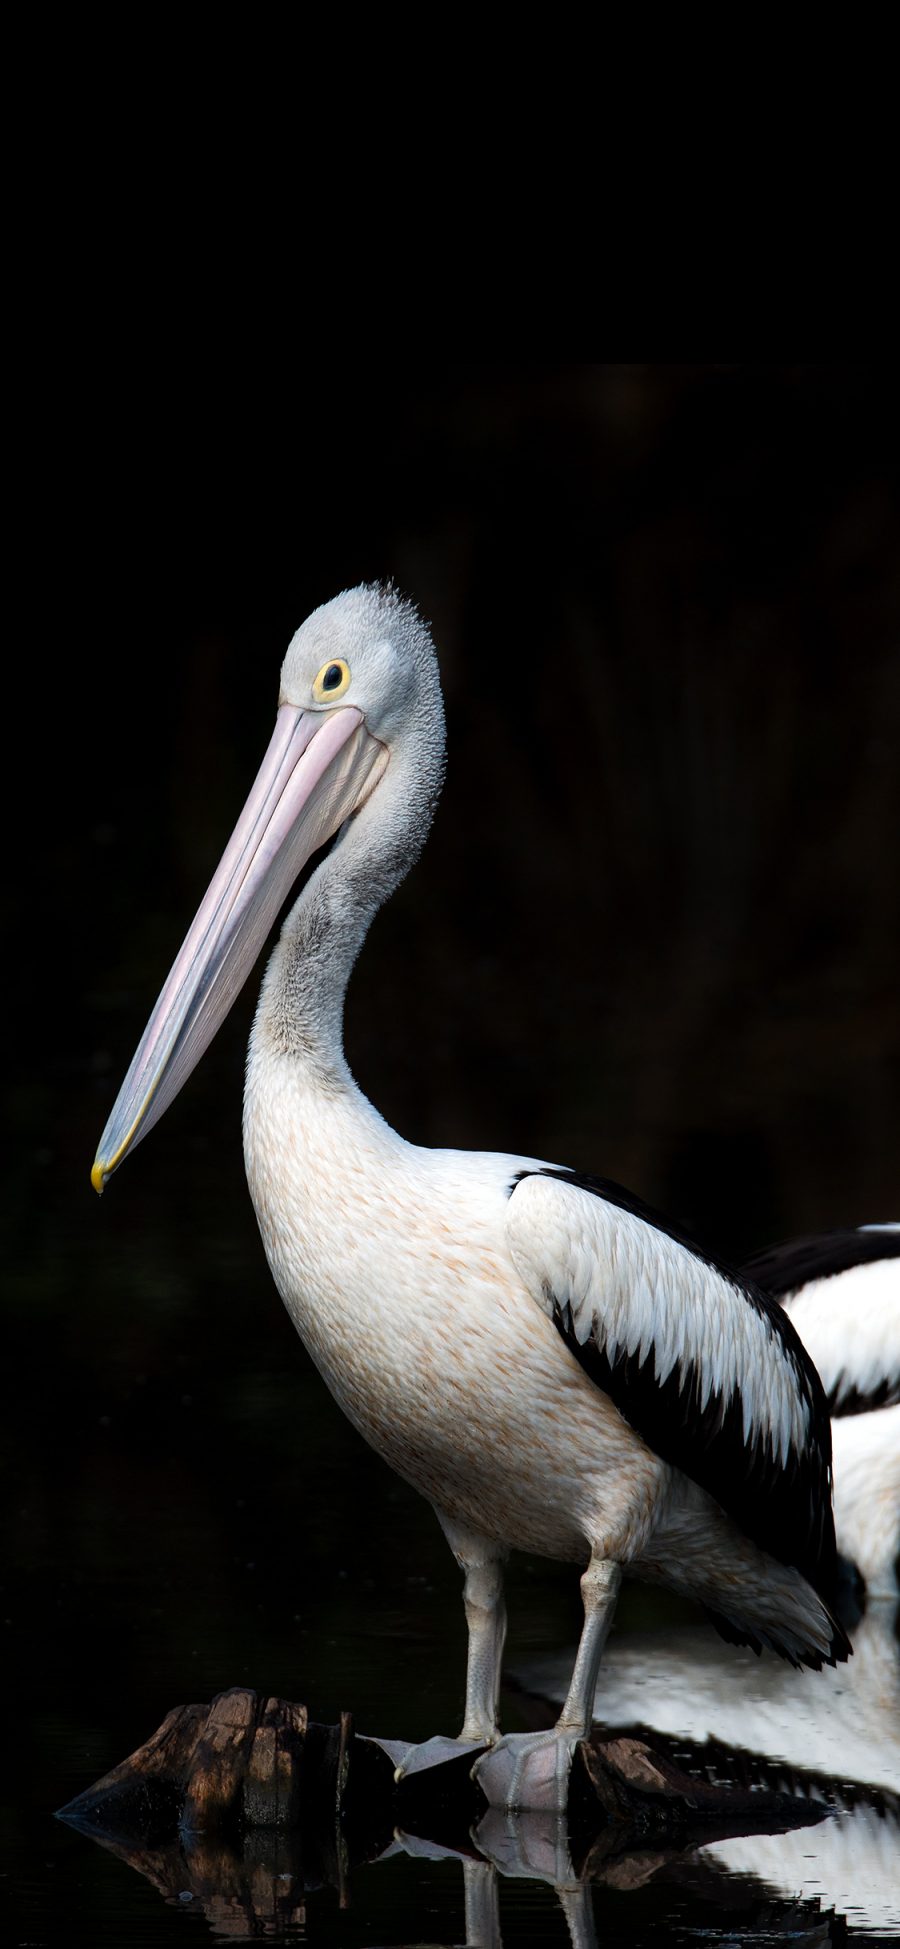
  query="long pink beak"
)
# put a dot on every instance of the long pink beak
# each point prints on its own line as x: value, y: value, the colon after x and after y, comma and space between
x: 317, y: 771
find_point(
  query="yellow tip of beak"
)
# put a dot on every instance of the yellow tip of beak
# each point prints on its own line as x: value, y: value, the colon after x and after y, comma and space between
x: 98, y: 1177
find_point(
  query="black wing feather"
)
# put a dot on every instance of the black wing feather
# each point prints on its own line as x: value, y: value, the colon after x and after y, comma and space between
x: 785, y: 1509
x: 783, y: 1268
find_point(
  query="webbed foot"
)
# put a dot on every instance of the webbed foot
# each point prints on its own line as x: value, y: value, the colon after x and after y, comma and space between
x: 528, y: 1770
x: 435, y: 1752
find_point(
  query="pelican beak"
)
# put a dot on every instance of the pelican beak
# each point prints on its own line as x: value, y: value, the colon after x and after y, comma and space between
x: 319, y: 768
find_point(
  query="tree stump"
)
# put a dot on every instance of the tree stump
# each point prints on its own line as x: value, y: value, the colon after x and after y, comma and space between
x: 248, y: 1764
x: 245, y: 1805
x: 243, y: 1762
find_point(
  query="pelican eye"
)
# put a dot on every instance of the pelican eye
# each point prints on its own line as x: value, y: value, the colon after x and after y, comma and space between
x: 331, y: 681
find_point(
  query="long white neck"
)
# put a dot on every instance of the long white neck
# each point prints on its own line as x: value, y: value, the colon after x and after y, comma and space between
x: 301, y: 1006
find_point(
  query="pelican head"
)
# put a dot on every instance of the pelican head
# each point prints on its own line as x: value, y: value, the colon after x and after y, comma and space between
x: 359, y: 726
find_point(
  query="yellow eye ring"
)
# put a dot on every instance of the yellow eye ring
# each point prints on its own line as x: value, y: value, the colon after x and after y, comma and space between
x: 331, y: 681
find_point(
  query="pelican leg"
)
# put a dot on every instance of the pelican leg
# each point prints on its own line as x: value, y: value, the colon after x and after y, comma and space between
x: 486, y: 1619
x: 578, y: 1908
x: 481, y: 1562
x: 599, y: 1592
x: 531, y: 1770
x: 537, y: 1848
x: 482, y: 1905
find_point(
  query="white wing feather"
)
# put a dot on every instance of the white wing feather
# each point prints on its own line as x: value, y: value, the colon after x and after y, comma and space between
x: 850, y: 1325
x: 632, y: 1288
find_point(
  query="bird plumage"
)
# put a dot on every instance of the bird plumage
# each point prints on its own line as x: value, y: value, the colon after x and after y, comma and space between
x: 555, y: 1373
x: 841, y: 1292
x: 694, y: 1355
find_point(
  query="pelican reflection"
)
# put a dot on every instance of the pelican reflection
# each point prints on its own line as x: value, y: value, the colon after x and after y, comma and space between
x: 831, y: 1737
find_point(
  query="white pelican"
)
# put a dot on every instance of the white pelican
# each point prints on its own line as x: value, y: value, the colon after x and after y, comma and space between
x: 533, y: 1350
x: 842, y: 1292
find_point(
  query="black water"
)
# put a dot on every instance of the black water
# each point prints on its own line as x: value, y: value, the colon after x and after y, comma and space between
x: 656, y: 934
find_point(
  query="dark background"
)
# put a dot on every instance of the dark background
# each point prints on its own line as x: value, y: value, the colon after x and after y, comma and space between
x: 655, y: 934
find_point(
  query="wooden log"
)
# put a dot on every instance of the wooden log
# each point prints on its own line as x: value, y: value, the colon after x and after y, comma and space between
x: 247, y: 1764
x: 245, y: 1806
x: 271, y: 1785
x: 143, y: 1795
x: 241, y: 1763
x: 213, y: 1782
x: 642, y: 1788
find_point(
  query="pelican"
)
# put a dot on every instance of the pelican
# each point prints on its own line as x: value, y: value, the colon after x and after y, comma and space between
x: 841, y: 1290
x: 553, y: 1366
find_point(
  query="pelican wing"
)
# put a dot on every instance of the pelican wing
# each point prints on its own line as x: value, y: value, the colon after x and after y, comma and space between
x: 784, y: 1268
x: 842, y: 1292
x: 706, y: 1367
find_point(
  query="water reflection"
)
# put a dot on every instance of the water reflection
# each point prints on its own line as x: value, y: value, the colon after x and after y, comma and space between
x: 830, y: 1737
x: 279, y: 1886
x: 820, y: 1859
